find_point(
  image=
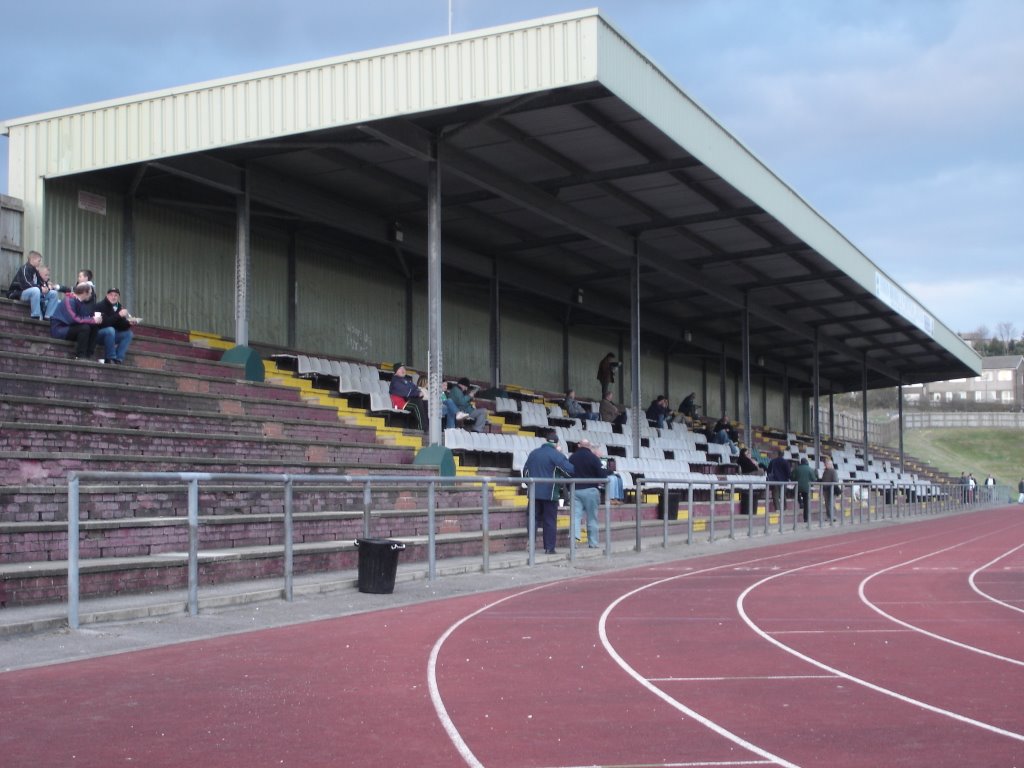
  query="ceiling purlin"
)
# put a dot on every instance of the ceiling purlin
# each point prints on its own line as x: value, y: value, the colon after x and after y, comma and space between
x: 416, y: 141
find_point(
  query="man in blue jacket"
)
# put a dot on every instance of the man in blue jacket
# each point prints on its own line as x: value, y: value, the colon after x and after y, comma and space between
x: 545, y: 463
x: 587, y: 495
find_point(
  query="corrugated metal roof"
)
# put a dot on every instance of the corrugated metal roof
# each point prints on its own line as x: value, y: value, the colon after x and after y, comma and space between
x: 563, y: 150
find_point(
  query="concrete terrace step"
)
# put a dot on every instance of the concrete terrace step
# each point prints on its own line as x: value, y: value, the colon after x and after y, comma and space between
x: 322, y: 424
x: 110, y: 440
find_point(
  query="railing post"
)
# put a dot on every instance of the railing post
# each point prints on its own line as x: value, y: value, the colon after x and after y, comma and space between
x: 607, y: 521
x: 574, y: 525
x: 289, y: 572
x: 431, y: 531
x: 731, y: 491
x: 485, y: 522
x: 73, y: 543
x: 193, y: 547
x: 531, y: 522
x: 712, y: 509
x: 366, y: 509
x: 664, y: 515
x: 637, y: 495
x: 689, y: 514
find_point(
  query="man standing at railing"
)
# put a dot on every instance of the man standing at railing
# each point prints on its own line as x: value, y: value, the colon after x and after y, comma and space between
x: 588, y: 497
x: 778, y: 472
x: 804, y: 476
x: 547, y: 462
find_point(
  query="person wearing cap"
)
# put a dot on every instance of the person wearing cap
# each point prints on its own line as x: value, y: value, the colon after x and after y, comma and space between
x: 115, y: 333
x: 459, y: 395
x: 405, y: 394
x: 73, y: 321
x: 588, y: 497
x: 547, y: 463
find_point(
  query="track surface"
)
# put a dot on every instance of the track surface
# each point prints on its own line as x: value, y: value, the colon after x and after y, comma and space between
x: 895, y: 646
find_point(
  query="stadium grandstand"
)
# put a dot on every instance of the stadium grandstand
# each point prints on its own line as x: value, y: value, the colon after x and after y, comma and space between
x: 506, y: 205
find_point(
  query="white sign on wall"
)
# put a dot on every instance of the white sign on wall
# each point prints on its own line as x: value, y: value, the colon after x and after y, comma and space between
x: 88, y: 201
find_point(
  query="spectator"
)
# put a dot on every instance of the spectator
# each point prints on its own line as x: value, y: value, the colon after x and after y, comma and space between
x: 964, y: 484
x: 459, y: 394
x: 405, y: 394
x: 610, y: 411
x: 615, y: 489
x: 804, y: 476
x: 452, y: 415
x: 72, y: 321
x: 85, y: 276
x: 115, y: 333
x: 748, y: 467
x: 720, y: 435
x: 1020, y: 491
x: 588, y: 497
x: 778, y: 472
x: 829, y: 482
x: 689, y: 406
x: 658, y: 413
x: 546, y: 463
x: 576, y: 411
x: 606, y: 372
x: 972, y: 488
x: 28, y: 286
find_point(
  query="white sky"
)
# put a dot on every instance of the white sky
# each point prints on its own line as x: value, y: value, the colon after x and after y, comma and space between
x: 900, y: 121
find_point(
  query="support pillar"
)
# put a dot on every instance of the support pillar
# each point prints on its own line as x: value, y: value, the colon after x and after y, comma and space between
x: 435, y: 363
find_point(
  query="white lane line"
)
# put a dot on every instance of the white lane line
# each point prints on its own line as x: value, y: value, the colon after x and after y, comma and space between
x: 435, y: 694
x: 738, y: 677
x: 701, y: 764
x: 838, y: 631
x: 845, y: 675
x: 941, y: 638
x: 986, y: 595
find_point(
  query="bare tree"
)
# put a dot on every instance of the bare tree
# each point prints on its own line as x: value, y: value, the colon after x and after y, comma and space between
x: 1006, y: 333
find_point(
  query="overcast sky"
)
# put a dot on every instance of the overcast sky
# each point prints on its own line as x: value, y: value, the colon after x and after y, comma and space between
x: 900, y: 121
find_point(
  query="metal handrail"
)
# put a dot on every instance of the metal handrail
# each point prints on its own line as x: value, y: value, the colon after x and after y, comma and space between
x: 904, y: 500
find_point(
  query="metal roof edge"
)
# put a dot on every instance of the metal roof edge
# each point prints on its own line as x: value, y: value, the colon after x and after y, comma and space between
x: 299, y: 67
x: 623, y: 82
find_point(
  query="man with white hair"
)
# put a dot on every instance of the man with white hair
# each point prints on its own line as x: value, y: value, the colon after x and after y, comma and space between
x: 588, y: 497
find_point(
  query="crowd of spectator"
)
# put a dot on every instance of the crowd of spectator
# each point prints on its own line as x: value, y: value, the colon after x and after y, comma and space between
x: 74, y: 313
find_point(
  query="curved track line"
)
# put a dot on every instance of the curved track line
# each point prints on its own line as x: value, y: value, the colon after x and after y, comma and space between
x: 435, y: 694
x: 934, y: 636
x: 845, y: 675
x: 970, y: 580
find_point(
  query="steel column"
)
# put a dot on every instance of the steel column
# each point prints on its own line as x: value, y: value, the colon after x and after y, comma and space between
x: 243, y: 265
x: 435, y: 363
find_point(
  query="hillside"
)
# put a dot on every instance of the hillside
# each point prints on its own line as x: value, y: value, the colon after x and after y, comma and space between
x: 999, y: 452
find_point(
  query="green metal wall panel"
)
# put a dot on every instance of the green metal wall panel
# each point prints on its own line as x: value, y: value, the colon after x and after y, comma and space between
x: 78, y: 238
x: 348, y: 309
x: 531, y: 350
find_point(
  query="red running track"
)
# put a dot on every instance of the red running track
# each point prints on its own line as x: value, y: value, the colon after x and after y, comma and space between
x: 897, y: 646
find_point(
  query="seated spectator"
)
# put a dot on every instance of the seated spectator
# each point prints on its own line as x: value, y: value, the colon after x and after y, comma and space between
x: 28, y: 286
x: 658, y: 413
x: 616, y: 494
x: 405, y: 394
x: 72, y: 321
x: 746, y: 464
x: 721, y: 437
x: 689, y: 406
x: 576, y: 411
x: 452, y: 415
x: 115, y: 333
x: 730, y: 430
x: 610, y: 411
x: 459, y: 394
x: 85, y: 276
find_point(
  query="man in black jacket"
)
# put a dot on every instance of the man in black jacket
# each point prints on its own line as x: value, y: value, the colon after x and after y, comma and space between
x: 27, y: 286
x: 778, y: 472
x: 588, y: 497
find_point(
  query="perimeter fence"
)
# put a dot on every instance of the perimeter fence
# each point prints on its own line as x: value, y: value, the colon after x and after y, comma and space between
x: 687, y: 510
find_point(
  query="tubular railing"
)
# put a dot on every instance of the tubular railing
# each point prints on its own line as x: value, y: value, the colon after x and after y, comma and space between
x: 852, y: 503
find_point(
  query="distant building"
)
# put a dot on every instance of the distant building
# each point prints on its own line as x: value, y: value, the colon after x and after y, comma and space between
x: 1001, y: 383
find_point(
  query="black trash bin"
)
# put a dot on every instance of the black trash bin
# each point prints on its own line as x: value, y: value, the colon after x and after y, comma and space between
x: 378, y: 564
x: 674, y: 497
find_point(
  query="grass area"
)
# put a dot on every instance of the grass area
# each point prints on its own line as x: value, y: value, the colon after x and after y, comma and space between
x: 999, y: 452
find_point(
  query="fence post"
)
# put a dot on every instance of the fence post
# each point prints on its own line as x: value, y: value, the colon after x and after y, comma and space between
x: 531, y: 523
x: 664, y: 515
x: 689, y: 514
x: 712, y: 510
x: 73, y: 535
x: 485, y: 522
x: 193, y: 547
x: 431, y: 532
x: 366, y: 509
x: 289, y: 572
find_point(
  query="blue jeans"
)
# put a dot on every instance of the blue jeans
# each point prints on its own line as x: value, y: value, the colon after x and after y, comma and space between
x: 34, y: 298
x: 615, y: 492
x: 115, y: 343
x: 586, y: 501
x: 450, y: 411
